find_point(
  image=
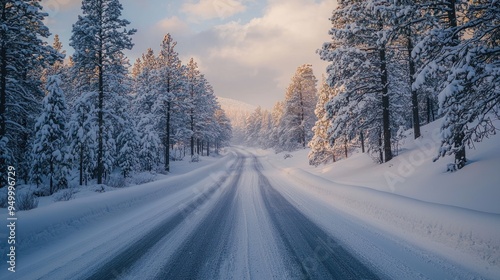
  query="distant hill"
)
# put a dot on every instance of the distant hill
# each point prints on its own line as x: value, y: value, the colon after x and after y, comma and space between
x: 237, y: 111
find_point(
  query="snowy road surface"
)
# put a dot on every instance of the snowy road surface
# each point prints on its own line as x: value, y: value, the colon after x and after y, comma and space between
x: 237, y: 220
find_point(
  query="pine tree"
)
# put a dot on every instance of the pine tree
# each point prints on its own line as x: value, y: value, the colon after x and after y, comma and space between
x: 468, y: 49
x: 128, y: 145
x: 50, y: 154
x: 82, y: 134
x: 254, y: 124
x: 276, y: 117
x: 149, y: 143
x: 224, y: 129
x: 359, y: 73
x: 23, y: 54
x: 99, y: 38
x: 194, y: 88
x: 171, y: 85
x: 321, y: 149
x: 300, y: 101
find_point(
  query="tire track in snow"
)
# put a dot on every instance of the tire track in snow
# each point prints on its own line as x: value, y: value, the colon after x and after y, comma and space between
x: 315, y: 252
x: 135, y: 251
x: 204, y: 251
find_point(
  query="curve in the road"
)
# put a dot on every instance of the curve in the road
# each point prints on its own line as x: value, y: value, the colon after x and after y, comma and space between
x: 318, y: 254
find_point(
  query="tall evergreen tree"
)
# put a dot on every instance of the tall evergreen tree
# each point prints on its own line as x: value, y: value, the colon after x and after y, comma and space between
x: 99, y: 38
x: 23, y: 54
x: 358, y: 52
x: 50, y: 154
x: 82, y: 134
x: 464, y: 49
x: 253, y: 126
x: 194, y: 89
x: 300, y: 102
x: 171, y: 85
x: 321, y: 148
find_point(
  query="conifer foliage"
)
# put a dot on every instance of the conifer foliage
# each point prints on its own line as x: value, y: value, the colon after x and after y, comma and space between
x: 289, y: 126
x: 99, y: 38
x: 96, y: 118
x: 386, y: 54
x: 23, y: 55
x: 50, y: 151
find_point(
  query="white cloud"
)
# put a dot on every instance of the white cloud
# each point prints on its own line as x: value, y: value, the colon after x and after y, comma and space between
x: 285, y: 37
x: 210, y: 9
x: 54, y: 7
x: 173, y: 25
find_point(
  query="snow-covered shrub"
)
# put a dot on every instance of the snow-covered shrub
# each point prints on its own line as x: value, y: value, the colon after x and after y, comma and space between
x: 116, y: 181
x: 26, y: 201
x: 41, y: 191
x: 64, y: 195
x: 143, y: 178
x: 287, y: 156
x: 195, y: 158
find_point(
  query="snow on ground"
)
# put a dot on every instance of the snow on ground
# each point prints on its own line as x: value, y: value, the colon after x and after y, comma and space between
x: 402, y: 217
x: 52, y: 220
x: 455, y: 215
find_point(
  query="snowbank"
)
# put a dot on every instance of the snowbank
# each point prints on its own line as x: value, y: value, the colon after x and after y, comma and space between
x: 43, y: 225
x: 455, y: 215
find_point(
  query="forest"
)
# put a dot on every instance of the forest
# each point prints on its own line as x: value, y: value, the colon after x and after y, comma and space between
x: 87, y: 113
x: 394, y: 65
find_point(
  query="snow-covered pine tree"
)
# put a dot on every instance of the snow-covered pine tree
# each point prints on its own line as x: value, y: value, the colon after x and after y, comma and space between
x: 23, y: 54
x: 207, y: 105
x: 358, y: 52
x: 149, y: 143
x: 50, y: 152
x: 195, y: 88
x: 276, y: 116
x: 82, y: 134
x: 300, y: 102
x: 99, y: 38
x: 224, y: 129
x: 128, y: 142
x: 145, y: 84
x: 117, y: 115
x: 265, y: 130
x: 148, y: 116
x: 253, y: 127
x: 466, y: 48
x: 172, y: 103
x: 321, y: 150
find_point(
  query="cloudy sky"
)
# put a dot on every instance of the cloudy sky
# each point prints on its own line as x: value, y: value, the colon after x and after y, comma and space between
x: 247, y: 49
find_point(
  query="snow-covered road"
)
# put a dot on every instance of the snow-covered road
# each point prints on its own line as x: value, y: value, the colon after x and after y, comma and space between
x: 240, y: 218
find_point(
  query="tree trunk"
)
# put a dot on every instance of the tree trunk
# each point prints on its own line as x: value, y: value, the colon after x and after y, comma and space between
x: 208, y: 148
x: 302, y: 116
x: 460, y: 158
x: 100, y: 152
x: 386, y: 123
x: 362, y: 139
x: 51, y: 174
x: 3, y: 91
x: 414, y: 95
x: 429, y: 106
x: 167, y: 141
x: 345, y: 148
x: 381, y: 155
x: 81, y: 165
